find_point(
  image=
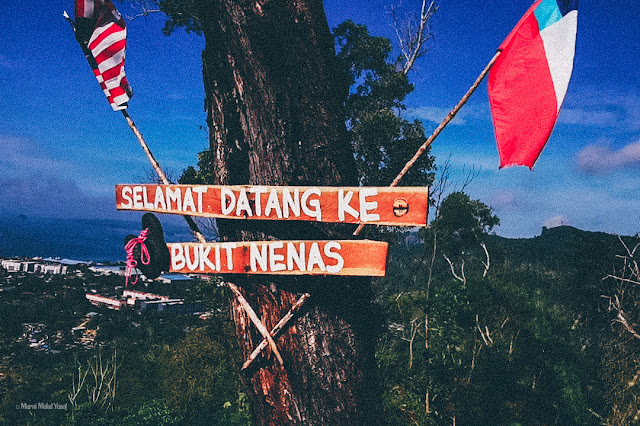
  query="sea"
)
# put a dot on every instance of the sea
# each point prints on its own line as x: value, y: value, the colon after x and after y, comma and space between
x: 92, y: 240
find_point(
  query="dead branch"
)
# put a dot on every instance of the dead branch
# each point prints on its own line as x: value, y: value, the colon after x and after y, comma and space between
x: 471, y: 175
x: 143, y: 8
x: 487, y: 263
x: 412, y: 40
x: 414, y: 331
x: 426, y: 332
x: 77, y: 384
x: 460, y: 277
x: 486, y: 335
x: 256, y: 321
x: 616, y: 305
x: 276, y: 329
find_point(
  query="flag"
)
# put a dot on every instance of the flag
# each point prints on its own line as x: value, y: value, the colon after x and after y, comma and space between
x: 102, y: 33
x: 529, y: 80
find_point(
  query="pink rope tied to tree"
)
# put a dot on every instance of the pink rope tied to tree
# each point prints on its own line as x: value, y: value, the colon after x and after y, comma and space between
x: 131, y: 262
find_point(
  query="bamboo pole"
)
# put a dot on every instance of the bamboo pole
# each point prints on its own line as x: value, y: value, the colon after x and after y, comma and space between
x: 439, y: 129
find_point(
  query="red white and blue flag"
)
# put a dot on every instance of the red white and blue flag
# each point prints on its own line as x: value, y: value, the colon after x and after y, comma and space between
x: 529, y: 80
x: 102, y: 32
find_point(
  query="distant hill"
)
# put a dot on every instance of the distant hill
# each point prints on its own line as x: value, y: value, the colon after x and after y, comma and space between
x: 82, y: 239
x: 566, y: 249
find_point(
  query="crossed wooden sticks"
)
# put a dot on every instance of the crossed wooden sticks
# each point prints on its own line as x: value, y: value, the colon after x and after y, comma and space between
x: 267, y: 336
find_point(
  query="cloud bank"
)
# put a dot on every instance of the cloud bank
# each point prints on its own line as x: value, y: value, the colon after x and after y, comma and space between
x: 600, y: 159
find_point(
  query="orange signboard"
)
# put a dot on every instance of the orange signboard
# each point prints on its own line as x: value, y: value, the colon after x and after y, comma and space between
x: 362, y: 257
x: 382, y: 206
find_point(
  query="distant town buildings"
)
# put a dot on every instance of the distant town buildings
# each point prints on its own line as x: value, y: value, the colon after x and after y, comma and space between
x: 34, y: 266
x: 110, y: 303
x: 145, y: 301
x: 109, y: 269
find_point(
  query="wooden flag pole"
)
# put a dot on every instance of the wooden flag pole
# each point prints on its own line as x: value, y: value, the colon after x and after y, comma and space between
x: 193, y: 226
x: 439, y: 129
x: 154, y: 163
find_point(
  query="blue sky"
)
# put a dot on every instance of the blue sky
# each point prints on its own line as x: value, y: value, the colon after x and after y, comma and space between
x: 63, y: 149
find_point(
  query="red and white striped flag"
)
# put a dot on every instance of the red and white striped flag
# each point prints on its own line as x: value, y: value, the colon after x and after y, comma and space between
x: 101, y: 30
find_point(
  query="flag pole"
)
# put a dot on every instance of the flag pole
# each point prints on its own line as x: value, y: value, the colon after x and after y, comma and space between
x: 439, y: 129
x: 193, y: 226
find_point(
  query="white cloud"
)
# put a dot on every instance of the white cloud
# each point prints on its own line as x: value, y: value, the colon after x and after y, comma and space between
x: 603, y: 109
x: 587, y: 117
x: 601, y: 159
x: 555, y: 221
x: 24, y: 156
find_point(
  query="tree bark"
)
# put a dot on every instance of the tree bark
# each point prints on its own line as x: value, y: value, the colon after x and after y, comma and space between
x: 274, y: 110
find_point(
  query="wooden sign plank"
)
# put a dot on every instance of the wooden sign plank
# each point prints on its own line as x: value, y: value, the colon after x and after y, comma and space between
x: 372, y: 205
x: 344, y: 257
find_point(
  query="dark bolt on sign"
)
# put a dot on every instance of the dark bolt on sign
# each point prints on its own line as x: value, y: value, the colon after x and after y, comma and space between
x: 400, y: 207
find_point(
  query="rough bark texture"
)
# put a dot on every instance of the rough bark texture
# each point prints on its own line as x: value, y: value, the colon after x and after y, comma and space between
x: 274, y: 111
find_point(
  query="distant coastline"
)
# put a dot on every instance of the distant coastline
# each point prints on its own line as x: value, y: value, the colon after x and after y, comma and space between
x: 92, y: 240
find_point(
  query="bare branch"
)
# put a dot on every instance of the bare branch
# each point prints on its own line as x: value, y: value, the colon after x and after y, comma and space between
x: 460, y: 277
x: 412, y: 41
x: 487, y: 263
x: 485, y: 334
x: 470, y: 177
x: 616, y: 305
x: 145, y: 8
x: 414, y: 331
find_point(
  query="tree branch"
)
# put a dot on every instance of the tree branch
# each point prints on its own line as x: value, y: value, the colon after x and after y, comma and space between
x: 460, y: 277
x: 487, y: 263
x: 412, y: 43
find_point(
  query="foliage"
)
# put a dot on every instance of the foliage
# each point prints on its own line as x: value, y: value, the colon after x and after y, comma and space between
x: 196, y: 377
x: 494, y: 351
x: 181, y: 14
x: 151, y: 348
x: 203, y: 174
x: 374, y: 93
x: 620, y: 365
x: 461, y: 224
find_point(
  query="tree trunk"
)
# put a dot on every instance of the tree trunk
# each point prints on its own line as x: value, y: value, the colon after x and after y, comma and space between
x: 274, y: 110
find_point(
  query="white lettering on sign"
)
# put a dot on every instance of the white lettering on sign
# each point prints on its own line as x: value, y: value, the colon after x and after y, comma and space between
x: 257, y: 256
x: 367, y: 206
x: 334, y: 269
x: 264, y: 257
x: 126, y: 195
x: 229, y: 249
x: 165, y: 198
x: 289, y: 202
x: 199, y: 257
x: 159, y: 199
x: 275, y: 257
x: 315, y: 203
x: 273, y: 204
x: 343, y: 205
x: 295, y: 256
x: 322, y: 204
x: 241, y: 204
